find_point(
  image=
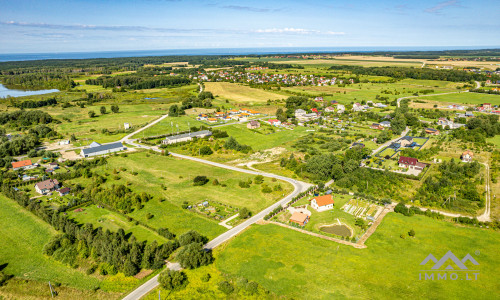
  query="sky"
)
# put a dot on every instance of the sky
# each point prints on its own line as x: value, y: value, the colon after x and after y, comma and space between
x: 40, y: 26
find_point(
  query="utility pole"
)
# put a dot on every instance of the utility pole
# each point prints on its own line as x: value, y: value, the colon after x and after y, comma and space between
x: 51, y: 292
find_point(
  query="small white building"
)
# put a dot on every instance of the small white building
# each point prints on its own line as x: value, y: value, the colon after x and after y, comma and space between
x: 126, y: 126
x: 64, y: 142
x: 185, y: 137
x: 322, y: 203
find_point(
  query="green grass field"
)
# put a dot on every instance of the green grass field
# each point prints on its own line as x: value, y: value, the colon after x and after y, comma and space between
x: 22, y: 237
x: 170, y: 125
x: 296, y: 265
x: 464, y: 98
x: 101, y: 217
x: 177, y: 175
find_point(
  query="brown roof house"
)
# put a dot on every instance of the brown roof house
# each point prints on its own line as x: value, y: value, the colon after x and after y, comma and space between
x: 46, y: 186
x: 411, y: 163
x: 467, y: 156
x: 299, y: 218
x: 253, y: 124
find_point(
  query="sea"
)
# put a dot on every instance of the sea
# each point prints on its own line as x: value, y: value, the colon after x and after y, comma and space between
x: 219, y: 51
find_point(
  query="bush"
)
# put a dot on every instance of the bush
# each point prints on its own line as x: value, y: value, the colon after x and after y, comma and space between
x: 200, y: 180
x: 226, y: 287
x: 172, y: 280
x: 91, y: 270
x: 266, y: 189
x: 192, y: 237
x: 245, y: 213
x: 258, y: 179
x: 149, y: 216
x: 206, y: 150
x: 193, y: 256
x: 206, y: 277
x: 244, y: 184
x: 166, y: 233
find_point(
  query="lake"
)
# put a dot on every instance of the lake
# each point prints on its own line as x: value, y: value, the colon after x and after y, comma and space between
x: 4, y: 92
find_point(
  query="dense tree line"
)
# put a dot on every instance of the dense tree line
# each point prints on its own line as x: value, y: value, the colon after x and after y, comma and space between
x: 24, y: 118
x: 36, y: 104
x: 138, y: 82
x: 478, y: 129
x: 415, y: 73
x: 40, y: 80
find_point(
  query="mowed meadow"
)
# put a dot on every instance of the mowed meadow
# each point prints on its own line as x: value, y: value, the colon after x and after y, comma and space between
x: 241, y: 93
x: 300, y: 266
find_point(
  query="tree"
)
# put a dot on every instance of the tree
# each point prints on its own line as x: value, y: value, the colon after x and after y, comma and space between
x: 245, y: 213
x: 200, y: 180
x: 281, y: 115
x: 173, y: 111
x: 193, y: 256
x: 172, y: 280
x: 91, y: 113
x: 130, y: 269
x: 206, y: 150
x: 191, y: 237
x: 226, y: 287
x: 115, y: 109
x: 103, y: 110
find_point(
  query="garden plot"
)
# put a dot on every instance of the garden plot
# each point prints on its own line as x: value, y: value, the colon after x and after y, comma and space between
x: 362, y: 209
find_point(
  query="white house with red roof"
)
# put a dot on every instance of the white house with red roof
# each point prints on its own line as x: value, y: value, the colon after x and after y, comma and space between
x: 322, y: 203
x: 274, y: 122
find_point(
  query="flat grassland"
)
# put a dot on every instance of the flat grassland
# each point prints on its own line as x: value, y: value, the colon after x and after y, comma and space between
x: 296, y: 265
x: 240, y: 93
x: 176, y: 175
x: 169, y: 125
x: 23, y: 236
x: 463, y: 98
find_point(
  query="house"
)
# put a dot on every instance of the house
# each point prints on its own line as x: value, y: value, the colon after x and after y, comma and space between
x: 299, y: 113
x: 29, y: 177
x: 46, y: 186
x: 322, y: 203
x: 185, y: 137
x: 202, y: 117
x: 23, y: 164
x: 274, y: 122
x: 54, y: 165
x: 357, y: 107
x: 234, y: 112
x: 356, y: 144
x: 102, y: 149
x: 340, y: 108
x: 299, y: 218
x: 487, y: 106
x: 212, y: 120
x: 314, y: 110
x: 329, y: 109
x: 385, y: 124
x: 405, y: 141
x: 318, y: 99
x: 444, y: 122
x: 467, y: 156
x: 126, y: 126
x: 334, y: 102
x: 253, y: 124
x: 432, y: 131
x: 64, y: 191
x: 410, y: 163
x: 64, y: 142
x: 377, y: 126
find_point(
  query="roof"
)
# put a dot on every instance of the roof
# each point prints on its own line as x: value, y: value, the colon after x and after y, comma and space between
x: 407, y: 138
x: 273, y: 120
x: 22, y: 163
x: 420, y: 165
x: 324, y: 200
x: 94, y: 144
x: 385, y: 123
x: 47, y: 184
x: 64, y: 190
x: 468, y: 152
x: 192, y: 134
x: 102, y: 148
x: 431, y: 129
x: 407, y: 160
x: 253, y: 123
x: 298, y: 217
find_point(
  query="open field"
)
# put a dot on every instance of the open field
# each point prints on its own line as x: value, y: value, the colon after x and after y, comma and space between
x: 176, y: 176
x: 23, y: 237
x: 463, y: 98
x: 296, y: 265
x: 108, y: 220
x: 170, y: 125
x: 240, y: 93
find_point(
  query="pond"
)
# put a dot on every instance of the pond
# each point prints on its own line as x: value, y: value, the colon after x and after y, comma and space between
x: 336, y: 229
x: 4, y: 92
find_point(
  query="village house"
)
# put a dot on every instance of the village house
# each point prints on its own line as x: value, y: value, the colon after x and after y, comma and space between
x: 432, y: 131
x: 357, y: 107
x: 410, y: 163
x: 385, y: 124
x: 322, y: 203
x: 46, y: 186
x: 64, y: 191
x: 299, y: 113
x: 299, y: 218
x: 253, y: 124
x: 212, y: 120
x: 356, y: 144
x: 23, y: 164
x: 274, y: 122
x: 202, y: 117
x: 318, y: 99
x: 126, y: 126
x: 405, y: 141
x: 377, y: 126
x: 340, y: 109
x: 487, y: 106
x: 467, y: 156
x: 64, y: 142
x: 329, y: 109
x: 185, y: 137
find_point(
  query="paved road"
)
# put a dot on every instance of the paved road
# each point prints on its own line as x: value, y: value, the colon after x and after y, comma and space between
x: 124, y: 139
x: 298, y: 186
